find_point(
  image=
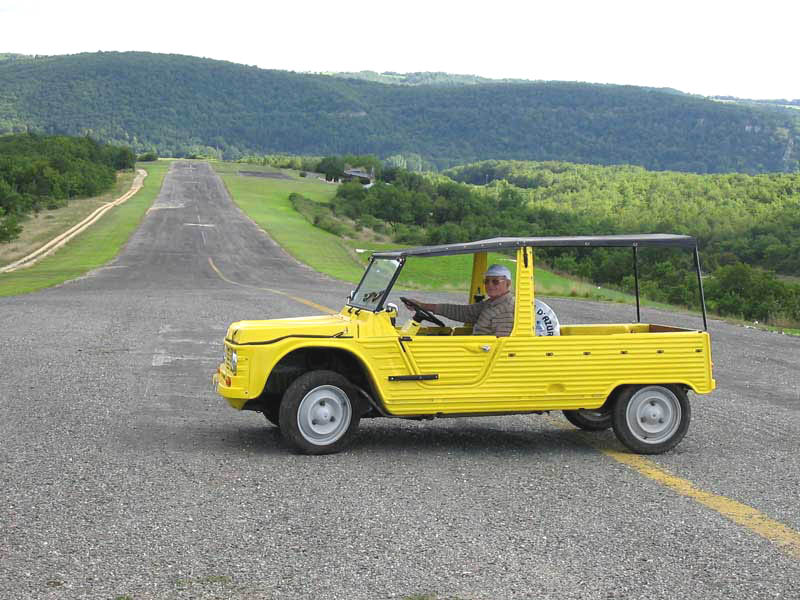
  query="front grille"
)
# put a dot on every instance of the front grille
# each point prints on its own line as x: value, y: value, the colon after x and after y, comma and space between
x: 228, y: 353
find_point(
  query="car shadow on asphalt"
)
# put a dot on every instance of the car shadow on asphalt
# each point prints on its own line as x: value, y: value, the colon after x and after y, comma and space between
x: 394, y: 437
x: 473, y: 437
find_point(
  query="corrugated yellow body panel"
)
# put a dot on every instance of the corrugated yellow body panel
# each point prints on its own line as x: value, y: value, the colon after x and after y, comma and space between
x: 457, y: 360
x: 384, y: 356
x: 544, y: 373
x: 524, y: 320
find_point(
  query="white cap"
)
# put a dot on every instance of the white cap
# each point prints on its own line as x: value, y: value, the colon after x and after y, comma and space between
x: 498, y: 271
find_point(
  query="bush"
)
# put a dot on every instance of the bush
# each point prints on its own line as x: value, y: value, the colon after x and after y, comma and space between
x: 39, y: 172
x: 333, y: 226
x: 410, y: 234
x: 319, y: 215
x: 9, y: 227
x: 754, y: 294
x: 373, y: 223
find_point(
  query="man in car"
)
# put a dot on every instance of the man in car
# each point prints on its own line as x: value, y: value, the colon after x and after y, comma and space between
x: 493, y: 316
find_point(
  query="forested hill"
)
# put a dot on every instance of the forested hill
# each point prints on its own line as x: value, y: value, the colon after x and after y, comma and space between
x: 180, y: 105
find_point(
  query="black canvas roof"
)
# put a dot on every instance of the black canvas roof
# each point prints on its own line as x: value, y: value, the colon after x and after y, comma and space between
x: 580, y: 241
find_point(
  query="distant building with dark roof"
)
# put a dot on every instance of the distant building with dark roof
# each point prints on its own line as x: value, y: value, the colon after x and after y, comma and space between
x: 365, y: 177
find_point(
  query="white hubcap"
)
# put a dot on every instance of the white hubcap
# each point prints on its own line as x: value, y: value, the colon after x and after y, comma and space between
x: 653, y: 414
x: 324, y: 415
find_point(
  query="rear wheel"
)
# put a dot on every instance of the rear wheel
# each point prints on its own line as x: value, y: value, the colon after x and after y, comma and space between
x: 589, y: 420
x: 317, y: 413
x: 651, y: 419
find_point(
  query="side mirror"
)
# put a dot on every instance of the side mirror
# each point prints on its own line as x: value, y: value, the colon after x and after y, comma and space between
x: 350, y: 295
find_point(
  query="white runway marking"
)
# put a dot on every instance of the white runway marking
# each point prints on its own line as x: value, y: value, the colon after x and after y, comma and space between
x: 161, y: 358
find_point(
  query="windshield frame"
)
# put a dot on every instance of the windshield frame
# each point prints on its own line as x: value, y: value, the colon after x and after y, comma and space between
x: 374, y: 263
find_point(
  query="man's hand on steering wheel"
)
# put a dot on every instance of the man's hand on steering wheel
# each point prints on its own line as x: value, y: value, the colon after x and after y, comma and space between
x: 421, y: 314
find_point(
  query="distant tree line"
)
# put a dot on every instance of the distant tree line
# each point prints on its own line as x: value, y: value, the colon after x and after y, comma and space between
x: 45, y: 172
x: 332, y: 167
x: 185, y: 106
x: 423, y: 78
x: 284, y: 161
x: 747, y: 226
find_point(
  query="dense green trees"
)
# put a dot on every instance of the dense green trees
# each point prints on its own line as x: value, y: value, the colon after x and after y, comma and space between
x: 756, y: 295
x: 333, y: 167
x: 181, y: 106
x: 747, y: 226
x: 284, y: 161
x: 736, y: 217
x: 38, y: 172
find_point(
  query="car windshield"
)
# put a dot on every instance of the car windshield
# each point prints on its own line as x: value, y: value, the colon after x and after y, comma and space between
x: 374, y: 285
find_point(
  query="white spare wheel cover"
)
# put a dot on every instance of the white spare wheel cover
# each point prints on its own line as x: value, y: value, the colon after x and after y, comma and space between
x: 546, y: 319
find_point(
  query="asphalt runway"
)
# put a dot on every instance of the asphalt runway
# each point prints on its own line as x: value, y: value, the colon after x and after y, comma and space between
x: 123, y: 475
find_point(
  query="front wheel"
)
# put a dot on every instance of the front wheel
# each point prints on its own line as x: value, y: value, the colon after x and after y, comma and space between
x: 317, y: 413
x: 651, y: 419
x: 272, y: 413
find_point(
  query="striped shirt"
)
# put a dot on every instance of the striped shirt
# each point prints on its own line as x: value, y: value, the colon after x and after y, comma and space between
x: 491, y: 317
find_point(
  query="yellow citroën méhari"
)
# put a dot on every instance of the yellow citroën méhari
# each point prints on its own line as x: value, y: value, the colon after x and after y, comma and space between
x: 317, y: 377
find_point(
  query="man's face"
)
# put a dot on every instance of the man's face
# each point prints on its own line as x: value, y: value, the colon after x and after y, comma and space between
x: 496, y: 286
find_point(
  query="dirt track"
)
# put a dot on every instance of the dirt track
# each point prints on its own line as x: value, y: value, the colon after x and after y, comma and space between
x: 124, y: 474
x: 57, y: 242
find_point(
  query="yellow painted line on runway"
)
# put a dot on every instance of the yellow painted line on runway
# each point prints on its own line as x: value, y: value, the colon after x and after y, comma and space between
x: 272, y: 291
x: 786, y: 538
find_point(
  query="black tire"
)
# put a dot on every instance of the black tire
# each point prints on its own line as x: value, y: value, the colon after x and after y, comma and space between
x: 589, y: 420
x: 318, y: 413
x: 271, y: 413
x: 651, y: 419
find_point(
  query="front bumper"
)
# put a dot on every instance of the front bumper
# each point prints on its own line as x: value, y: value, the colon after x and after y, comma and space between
x: 234, y: 388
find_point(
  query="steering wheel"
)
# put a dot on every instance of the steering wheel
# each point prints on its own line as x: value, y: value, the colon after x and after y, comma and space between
x: 422, y: 314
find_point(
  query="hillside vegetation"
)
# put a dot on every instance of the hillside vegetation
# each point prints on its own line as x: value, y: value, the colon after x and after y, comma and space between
x: 179, y: 105
x: 41, y: 172
x: 747, y: 226
x: 736, y: 217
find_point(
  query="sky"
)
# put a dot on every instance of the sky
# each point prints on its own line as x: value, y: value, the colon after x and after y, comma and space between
x: 707, y: 47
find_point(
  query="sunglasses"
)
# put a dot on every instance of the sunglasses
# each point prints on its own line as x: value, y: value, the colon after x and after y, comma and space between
x: 494, y: 280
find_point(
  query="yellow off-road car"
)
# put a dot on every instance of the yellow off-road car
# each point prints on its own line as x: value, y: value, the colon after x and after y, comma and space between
x: 317, y: 377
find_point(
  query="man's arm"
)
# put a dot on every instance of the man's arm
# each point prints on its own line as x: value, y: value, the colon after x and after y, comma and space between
x: 426, y: 305
x: 466, y: 313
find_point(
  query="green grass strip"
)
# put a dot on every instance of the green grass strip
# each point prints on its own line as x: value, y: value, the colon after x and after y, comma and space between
x: 266, y: 201
x: 93, y: 248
